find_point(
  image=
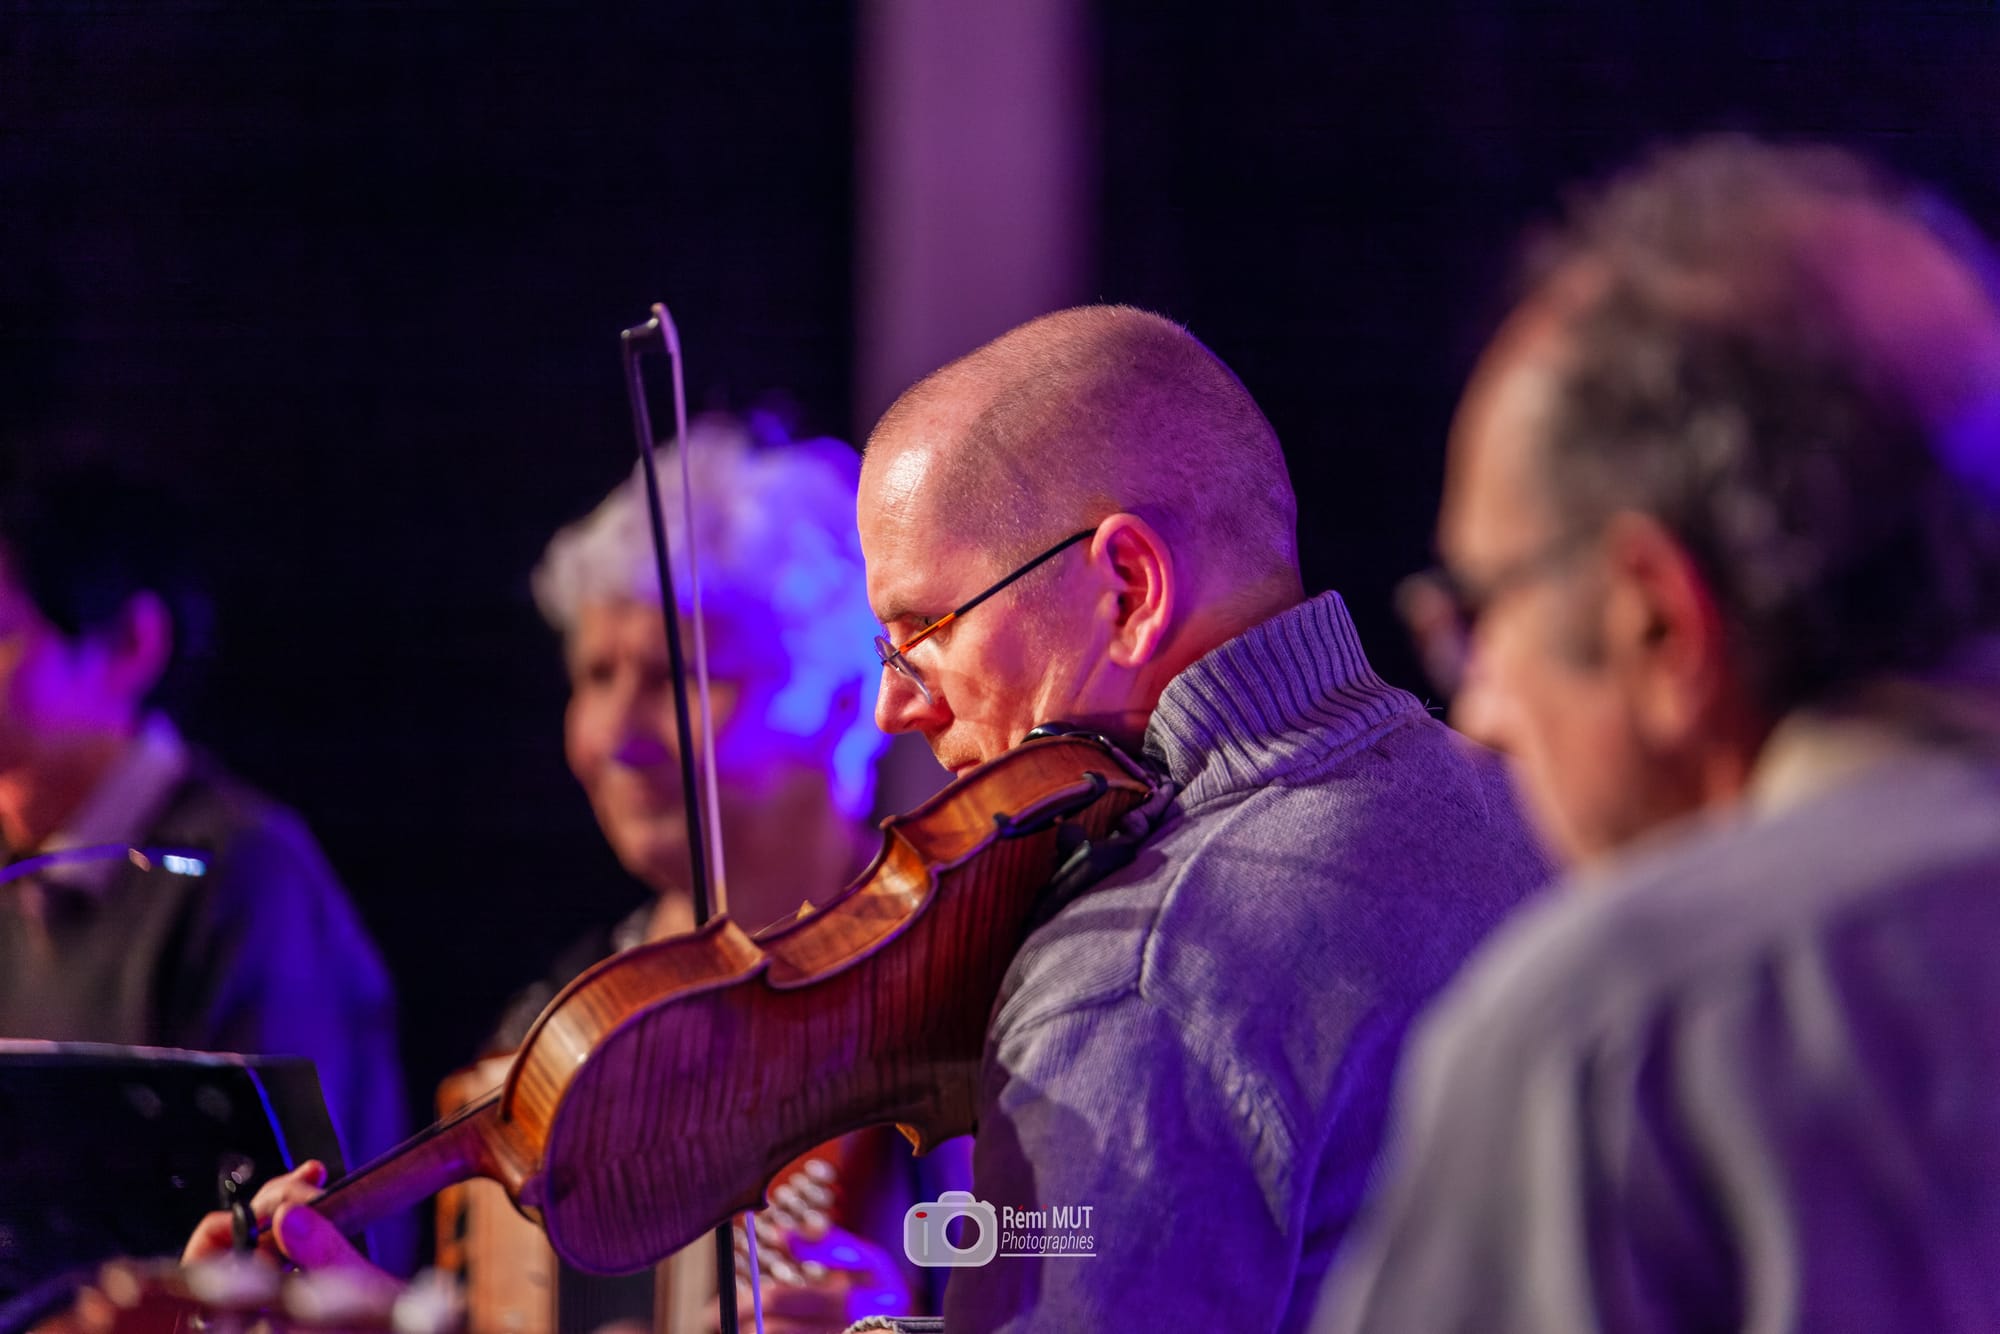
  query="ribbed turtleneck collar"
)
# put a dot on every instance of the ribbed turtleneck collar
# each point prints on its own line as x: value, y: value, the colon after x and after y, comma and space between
x: 1277, y: 698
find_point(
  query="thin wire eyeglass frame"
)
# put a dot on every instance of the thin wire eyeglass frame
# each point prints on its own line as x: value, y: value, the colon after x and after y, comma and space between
x: 892, y: 654
x: 1440, y: 609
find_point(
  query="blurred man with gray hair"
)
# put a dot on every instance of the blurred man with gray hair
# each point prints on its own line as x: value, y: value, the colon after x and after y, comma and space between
x: 1724, y: 499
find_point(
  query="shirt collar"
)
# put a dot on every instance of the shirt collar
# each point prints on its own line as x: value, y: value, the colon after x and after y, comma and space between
x: 1815, y: 749
x: 123, y: 805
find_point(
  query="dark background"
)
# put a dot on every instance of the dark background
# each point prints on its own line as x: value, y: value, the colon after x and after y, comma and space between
x: 353, y: 275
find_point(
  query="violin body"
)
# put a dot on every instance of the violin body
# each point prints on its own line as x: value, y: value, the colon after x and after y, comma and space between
x: 513, y: 1281
x: 663, y: 1089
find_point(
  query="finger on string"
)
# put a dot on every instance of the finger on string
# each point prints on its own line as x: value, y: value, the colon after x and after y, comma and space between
x: 300, y: 1184
x: 311, y: 1242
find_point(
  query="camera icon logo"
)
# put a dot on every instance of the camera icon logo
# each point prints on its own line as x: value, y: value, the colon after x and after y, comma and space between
x: 925, y: 1240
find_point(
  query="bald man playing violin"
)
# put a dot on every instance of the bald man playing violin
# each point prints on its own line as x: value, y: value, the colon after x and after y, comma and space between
x: 1088, y: 521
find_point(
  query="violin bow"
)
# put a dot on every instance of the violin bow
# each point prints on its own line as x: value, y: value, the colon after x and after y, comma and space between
x: 704, y: 835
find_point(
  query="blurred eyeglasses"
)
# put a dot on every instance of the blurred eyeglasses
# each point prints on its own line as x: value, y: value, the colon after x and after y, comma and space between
x: 1441, y: 609
x: 892, y: 654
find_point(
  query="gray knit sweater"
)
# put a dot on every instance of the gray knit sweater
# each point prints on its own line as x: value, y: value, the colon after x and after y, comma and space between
x: 1199, y: 1050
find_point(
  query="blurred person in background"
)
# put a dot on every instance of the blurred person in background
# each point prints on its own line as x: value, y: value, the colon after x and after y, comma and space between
x: 254, y: 947
x: 791, y: 687
x: 795, y: 742
x: 1722, y: 524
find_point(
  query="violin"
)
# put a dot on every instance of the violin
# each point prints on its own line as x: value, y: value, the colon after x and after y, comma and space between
x: 663, y: 1089
x: 512, y: 1281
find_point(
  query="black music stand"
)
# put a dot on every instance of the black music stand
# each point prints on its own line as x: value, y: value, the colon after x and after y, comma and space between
x: 108, y: 1151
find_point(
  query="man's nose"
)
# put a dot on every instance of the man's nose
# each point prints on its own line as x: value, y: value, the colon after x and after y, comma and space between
x: 901, y: 707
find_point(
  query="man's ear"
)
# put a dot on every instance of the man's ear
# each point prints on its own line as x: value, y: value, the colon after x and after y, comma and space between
x: 1663, y: 632
x: 1140, y: 583
x: 138, y: 645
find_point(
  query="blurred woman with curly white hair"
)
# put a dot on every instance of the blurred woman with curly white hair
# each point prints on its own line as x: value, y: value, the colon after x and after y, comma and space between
x: 791, y: 673
x: 792, y: 678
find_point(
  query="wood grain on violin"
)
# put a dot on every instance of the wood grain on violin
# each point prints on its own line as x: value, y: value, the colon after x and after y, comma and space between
x: 515, y: 1284
x: 663, y: 1089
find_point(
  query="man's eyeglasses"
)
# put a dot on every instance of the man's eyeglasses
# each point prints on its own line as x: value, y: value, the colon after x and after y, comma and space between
x: 1441, y: 609
x: 892, y: 654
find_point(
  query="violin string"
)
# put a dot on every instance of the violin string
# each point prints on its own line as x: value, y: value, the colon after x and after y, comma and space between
x: 712, y: 825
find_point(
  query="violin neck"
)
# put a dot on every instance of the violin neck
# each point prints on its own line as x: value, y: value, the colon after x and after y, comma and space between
x: 453, y: 1150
